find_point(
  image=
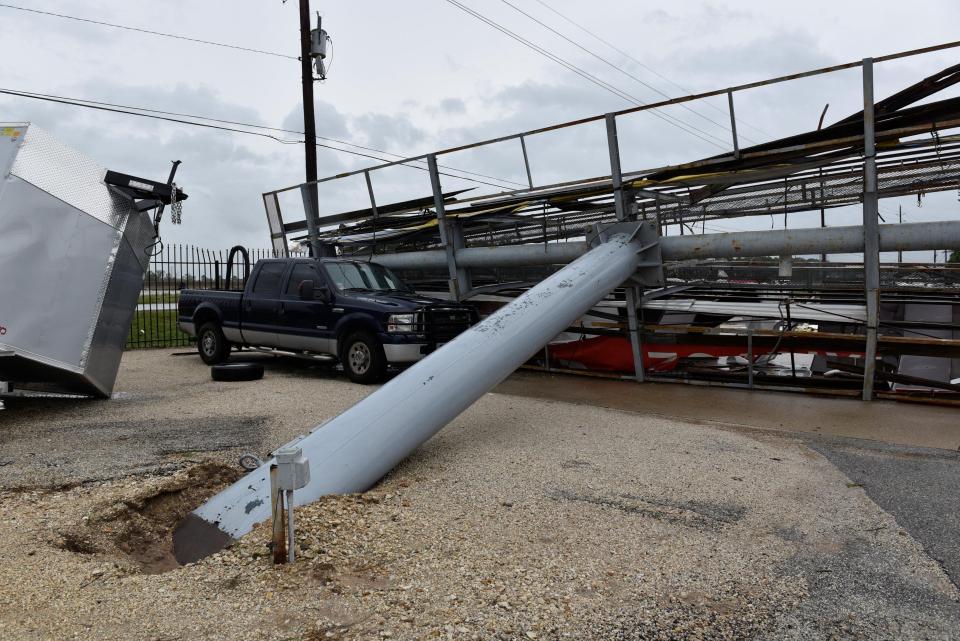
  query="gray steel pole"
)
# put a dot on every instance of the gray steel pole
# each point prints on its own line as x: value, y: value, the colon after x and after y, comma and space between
x: 823, y: 215
x: 458, y: 288
x: 733, y: 125
x: 900, y: 221
x: 373, y: 209
x: 633, y: 327
x: 623, y: 214
x: 795, y: 242
x: 871, y: 231
x: 613, y: 146
x: 526, y: 161
x: 352, y: 451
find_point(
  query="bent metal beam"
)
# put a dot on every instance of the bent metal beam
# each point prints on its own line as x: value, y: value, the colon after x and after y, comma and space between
x: 352, y: 451
x: 793, y: 242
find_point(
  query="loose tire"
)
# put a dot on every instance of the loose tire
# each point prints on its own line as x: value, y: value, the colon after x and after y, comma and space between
x: 212, y: 344
x: 237, y: 372
x: 363, y: 358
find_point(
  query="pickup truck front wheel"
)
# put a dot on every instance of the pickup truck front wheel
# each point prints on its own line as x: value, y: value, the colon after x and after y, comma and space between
x: 212, y: 344
x: 363, y: 358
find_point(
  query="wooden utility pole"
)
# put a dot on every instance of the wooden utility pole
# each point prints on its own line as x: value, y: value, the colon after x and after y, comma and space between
x: 309, y: 122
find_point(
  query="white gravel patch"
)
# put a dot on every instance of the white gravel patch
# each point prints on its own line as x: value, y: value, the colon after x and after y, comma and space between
x: 523, y: 519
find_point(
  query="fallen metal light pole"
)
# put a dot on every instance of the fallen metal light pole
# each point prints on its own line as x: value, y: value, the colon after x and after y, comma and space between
x: 829, y: 240
x: 354, y: 450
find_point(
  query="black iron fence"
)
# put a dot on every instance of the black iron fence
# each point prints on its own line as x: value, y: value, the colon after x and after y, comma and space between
x: 173, y: 268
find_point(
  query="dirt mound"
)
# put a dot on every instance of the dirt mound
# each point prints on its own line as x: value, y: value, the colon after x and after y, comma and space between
x: 137, y: 529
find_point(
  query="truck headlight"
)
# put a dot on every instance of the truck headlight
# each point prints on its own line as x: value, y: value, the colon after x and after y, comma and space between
x: 401, y: 323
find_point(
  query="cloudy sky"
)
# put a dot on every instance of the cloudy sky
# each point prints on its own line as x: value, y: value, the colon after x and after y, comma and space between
x: 409, y: 77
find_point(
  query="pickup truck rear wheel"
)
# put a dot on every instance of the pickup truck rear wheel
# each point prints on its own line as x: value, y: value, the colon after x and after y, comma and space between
x: 212, y: 344
x: 363, y: 358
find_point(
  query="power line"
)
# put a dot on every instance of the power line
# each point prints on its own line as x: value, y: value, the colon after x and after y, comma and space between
x: 281, y: 130
x: 148, y: 31
x: 584, y: 74
x: 641, y: 64
x: 161, y: 115
x: 73, y: 102
x: 616, y: 67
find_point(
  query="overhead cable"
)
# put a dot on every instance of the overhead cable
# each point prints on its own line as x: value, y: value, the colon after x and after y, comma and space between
x: 641, y: 64
x: 617, y: 67
x: 147, y: 31
x: 221, y: 125
x: 588, y: 76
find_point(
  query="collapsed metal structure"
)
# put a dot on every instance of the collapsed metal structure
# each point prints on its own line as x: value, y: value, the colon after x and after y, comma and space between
x: 475, y: 246
x: 624, y: 250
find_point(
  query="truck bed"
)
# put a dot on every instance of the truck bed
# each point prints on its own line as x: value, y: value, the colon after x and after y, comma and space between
x: 227, y: 302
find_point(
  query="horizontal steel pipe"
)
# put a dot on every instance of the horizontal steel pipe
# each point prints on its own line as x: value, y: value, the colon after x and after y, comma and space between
x: 503, y: 256
x: 354, y: 450
x: 829, y: 240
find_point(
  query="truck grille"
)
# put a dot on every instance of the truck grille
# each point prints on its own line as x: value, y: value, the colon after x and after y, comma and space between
x: 445, y: 324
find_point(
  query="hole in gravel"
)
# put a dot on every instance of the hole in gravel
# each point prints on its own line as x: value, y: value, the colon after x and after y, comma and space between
x: 138, y: 528
x: 73, y: 542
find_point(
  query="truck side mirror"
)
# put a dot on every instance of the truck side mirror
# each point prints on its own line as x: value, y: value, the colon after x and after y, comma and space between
x: 305, y: 290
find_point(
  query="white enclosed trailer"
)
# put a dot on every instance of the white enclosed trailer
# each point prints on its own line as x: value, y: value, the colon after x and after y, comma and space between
x: 73, y: 253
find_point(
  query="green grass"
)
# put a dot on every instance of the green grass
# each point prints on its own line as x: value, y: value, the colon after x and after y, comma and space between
x: 166, y: 297
x: 156, y: 329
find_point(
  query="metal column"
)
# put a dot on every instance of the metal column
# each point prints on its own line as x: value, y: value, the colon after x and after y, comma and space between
x: 373, y: 210
x: 459, y: 279
x: 310, y: 207
x: 633, y: 327
x: 621, y: 205
x: 619, y: 197
x: 871, y: 231
x: 463, y: 278
x: 526, y: 166
x: 733, y: 125
x: 526, y: 161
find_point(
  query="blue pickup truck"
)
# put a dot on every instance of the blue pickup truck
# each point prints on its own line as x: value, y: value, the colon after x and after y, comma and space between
x: 358, y: 312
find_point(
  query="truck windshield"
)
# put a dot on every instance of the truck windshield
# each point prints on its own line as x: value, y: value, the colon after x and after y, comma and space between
x: 364, y: 276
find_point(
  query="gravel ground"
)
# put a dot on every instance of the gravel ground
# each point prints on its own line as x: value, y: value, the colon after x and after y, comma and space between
x: 523, y: 519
